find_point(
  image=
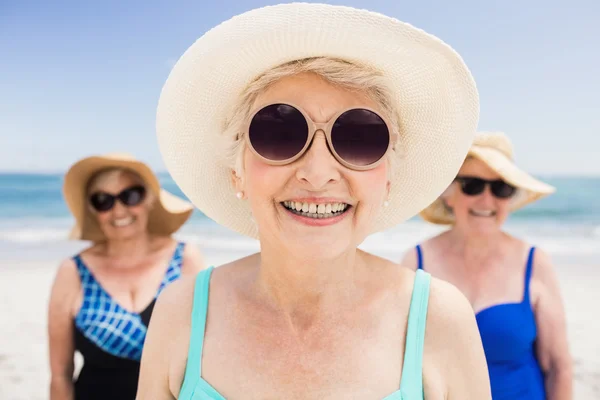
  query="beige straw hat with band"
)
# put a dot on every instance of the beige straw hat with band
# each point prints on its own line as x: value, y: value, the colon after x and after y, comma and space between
x: 496, y: 151
x: 167, y: 215
x: 432, y: 89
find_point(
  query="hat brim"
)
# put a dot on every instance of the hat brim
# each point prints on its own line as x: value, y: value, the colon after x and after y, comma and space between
x: 529, y: 188
x: 168, y: 213
x: 432, y: 88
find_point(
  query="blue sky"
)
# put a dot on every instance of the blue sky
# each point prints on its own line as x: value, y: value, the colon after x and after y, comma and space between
x: 81, y: 77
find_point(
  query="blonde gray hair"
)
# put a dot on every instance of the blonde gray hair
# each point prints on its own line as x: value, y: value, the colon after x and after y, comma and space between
x: 338, y: 72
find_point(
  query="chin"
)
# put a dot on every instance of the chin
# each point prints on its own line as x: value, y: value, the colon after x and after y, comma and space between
x: 324, y: 245
x: 126, y: 233
x: 486, y: 227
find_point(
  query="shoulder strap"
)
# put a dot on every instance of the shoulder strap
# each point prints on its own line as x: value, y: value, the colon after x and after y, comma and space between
x: 193, y: 370
x: 174, y: 269
x: 411, y: 385
x: 419, y: 257
x: 84, y: 274
x: 528, y: 272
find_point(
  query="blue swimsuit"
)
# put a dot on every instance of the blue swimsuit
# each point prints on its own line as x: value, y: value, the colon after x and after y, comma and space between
x: 508, y: 332
x: 110, y: 338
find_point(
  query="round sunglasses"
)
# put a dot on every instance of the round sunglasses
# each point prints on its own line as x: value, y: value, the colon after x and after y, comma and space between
x: 473, y: 186
x: 281, y: 133
x: 129, y: 197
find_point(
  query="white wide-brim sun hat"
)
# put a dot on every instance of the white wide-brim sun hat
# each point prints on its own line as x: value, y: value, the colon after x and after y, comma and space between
x: 496, y: 151
x: 432, y: 88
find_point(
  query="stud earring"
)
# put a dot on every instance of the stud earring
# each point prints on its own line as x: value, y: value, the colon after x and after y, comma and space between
x: 239, y: 195
x: 386, y: 203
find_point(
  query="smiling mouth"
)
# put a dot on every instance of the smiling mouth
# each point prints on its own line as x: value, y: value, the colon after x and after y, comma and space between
x: 122, y: 222
x: 483, y: 213
x: 317, y: 211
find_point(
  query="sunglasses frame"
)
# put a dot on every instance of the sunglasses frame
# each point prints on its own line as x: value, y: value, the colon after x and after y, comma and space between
x: 461, y: 180
x: 117, y: 197
x: 313, y: 128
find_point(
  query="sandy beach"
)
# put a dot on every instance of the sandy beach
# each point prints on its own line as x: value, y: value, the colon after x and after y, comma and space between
x: 25, y: 285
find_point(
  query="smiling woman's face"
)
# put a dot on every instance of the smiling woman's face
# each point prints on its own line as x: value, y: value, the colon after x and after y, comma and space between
x: 314, y: 205
x: 483, y: 213
x: 120, y: 222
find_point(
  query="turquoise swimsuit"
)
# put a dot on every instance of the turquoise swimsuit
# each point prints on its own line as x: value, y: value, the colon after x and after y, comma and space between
x: 411, y: 387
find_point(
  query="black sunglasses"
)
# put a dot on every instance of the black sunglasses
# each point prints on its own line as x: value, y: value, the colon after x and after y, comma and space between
x: 473, y: 186
x: 281, y: 133
x: 132, y: 196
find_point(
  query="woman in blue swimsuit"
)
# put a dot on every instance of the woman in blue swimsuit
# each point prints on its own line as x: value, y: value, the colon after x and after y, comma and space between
x: 511, y: 285
x: 103, y: 297
x: 308, y: 127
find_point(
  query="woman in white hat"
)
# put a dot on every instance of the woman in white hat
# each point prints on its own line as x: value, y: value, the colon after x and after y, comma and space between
x: 102, y: 298
x: 511, y: 285
x: 308, y: 127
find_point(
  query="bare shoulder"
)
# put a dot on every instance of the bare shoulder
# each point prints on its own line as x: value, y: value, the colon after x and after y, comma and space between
x: 449, y: 311
x: 453, y: 344
x: 542, y: 264
x: 175, y: 303
x: 66, y: 289
x: 167, y: 341
x: 67, y: 277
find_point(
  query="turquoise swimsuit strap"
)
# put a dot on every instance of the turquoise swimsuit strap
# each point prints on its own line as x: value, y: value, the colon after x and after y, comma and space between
x: 193, y: 370
x: 411, y: 386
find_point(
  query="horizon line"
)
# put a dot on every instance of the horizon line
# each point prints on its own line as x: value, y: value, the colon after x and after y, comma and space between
x: 165, y: 172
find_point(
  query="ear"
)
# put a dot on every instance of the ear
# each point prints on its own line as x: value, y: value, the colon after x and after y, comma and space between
x: 237, y: 182
x: 388, y: 189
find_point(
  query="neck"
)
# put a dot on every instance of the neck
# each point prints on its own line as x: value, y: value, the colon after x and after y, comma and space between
x: 474, y: 246
x: 304, y: 286
x: 135, y: 247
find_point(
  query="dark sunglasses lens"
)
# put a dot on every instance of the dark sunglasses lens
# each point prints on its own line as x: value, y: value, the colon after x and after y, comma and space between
x: 278, y: 132
x: 502, y: 189
x: 472, y: 186
x: 360, y: 137
x: 102, y: 201
x: 132, y: 196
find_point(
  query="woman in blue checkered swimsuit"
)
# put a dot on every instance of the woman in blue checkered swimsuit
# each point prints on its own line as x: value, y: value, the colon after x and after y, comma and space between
x: 102, y: 298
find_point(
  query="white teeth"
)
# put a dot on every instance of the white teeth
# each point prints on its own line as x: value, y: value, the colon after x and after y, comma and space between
x: 483, y: 213
x: 122, y: 222
x: 322, y: 210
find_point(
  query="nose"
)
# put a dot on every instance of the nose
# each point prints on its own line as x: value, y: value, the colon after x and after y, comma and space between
x: 318, y: 167
x: 486, y: 198
x: 119, y: 209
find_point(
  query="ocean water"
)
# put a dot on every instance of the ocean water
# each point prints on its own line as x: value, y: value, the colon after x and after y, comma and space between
x: 33, y: 214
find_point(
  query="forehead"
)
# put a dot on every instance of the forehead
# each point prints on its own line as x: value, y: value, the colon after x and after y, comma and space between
x: 114, y: 181
x: 320, y: 99
x: 475, y: 167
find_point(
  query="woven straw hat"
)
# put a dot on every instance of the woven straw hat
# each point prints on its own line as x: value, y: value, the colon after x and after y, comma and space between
x: 432, y: 89
x: 496, y: 151
x: 168, y: 213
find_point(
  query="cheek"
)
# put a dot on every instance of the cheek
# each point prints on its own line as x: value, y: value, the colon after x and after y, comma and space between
x: 102, y: 218
x: 141, y: 212
x: 370, y: 184
x: 261, y: 179
x: 458, y: 202
x: 503, y: 207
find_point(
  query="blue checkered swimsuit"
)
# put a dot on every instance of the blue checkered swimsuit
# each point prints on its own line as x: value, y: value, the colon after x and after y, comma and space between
x: 110, y: 338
